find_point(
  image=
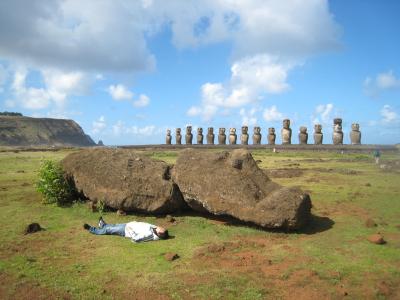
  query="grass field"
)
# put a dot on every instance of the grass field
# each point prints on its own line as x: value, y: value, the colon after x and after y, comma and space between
x: 330, y: 259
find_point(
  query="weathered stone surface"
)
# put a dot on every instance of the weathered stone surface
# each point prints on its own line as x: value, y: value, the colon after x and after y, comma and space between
x: 257, y: 135
x: 168, y: 137
x: 355, y: 134
x: 124, y: 180
x: 178, y: 136
x: 318, y: 135
x: 286, y: 132
x: 210, y: 136
x: 230, y: 183
x: 221, y: 137
x: 303, y: 135
x: 200, y: 136
x: 244, y: 137
x: 271, y: 136
x: 337, y: 136
x: 189, y: 135
x: 232, y: 136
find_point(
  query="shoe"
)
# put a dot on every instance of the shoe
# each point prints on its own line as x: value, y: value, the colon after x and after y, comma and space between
x: 86, y: 226
x: 101, y: 222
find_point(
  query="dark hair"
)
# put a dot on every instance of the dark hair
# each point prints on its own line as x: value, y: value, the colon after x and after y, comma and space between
x: 164, y: 235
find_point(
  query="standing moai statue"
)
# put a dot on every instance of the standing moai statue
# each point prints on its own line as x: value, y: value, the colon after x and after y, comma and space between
x: 232, y: 136
x: 221, y: 136
x: 257, y: 136
x: 189, y: 135
x: 210, y: 136
x: 318, y: 135
x: 178, y: 136
x: 271, y: 136
x: 337, y: 132
x: 200, y: 136
x: 168, y: 138
x: 303, y: 135
x: 244, y: 137
x: 286, y: 132
x: 355, y: 134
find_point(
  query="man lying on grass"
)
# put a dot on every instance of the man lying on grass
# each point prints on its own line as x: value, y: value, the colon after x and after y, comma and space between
x: 137, y: 231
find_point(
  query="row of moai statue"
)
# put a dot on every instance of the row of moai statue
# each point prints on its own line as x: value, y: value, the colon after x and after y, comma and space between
x: 286, y: 133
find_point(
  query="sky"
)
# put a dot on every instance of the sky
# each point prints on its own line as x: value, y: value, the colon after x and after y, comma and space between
x: 126, y: 71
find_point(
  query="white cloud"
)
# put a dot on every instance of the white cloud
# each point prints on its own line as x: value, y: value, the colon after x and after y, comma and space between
x: 58, y: 86
x: 272, y: 114
x: 120, y: 129
x: 251, y: 79
x: 248, y: 117
x: 99, y: 125
x: 383, y: 81
x: 323, y: 114
x: 389, y: 116
x: 142, y: 101
x: 120, y: 92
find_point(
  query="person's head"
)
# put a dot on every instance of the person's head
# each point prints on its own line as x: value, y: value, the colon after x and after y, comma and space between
x: 162, y: 233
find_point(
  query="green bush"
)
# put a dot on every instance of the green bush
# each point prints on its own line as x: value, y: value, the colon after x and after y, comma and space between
x: 53, y: 185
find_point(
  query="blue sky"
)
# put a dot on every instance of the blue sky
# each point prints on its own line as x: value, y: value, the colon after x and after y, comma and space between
x: 128, y: 70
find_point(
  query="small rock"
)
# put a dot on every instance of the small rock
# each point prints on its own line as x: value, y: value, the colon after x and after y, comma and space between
x: 376, y: 239
x: 370, y: 223
x: 92, y: 206
x: 171, y: 256
x: 170, y: 218
x: 32, y: 228
x: 368, y: 184
x: 120, y: 212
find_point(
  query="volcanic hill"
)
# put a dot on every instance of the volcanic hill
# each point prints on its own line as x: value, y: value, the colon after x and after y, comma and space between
x: 26, y: 131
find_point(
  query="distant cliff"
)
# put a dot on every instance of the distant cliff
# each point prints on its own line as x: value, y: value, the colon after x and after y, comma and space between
x: 25, y: 131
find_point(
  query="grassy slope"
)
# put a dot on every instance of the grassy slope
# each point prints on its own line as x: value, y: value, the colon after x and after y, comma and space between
x: 66, y: 260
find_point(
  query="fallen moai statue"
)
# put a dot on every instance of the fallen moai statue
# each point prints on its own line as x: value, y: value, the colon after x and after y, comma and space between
x: 227, y: 183
x: 231, y: 183
x: 123, y: 179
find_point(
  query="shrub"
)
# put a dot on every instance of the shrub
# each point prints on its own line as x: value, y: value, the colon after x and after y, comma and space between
x: 53, y: 185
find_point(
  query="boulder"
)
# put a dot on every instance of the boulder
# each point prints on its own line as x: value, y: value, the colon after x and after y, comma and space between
x: 123, y: 179
x: 231, y: 183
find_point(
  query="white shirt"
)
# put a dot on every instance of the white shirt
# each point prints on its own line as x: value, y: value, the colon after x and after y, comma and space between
x: 140, y: 232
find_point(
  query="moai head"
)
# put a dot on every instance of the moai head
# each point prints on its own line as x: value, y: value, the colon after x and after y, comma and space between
x: 303, y: 129
x: 210, y: 130
x: 199, y: 130
x: 257, y: 130
x: 245, y: 129
x: 286, y: 123
x: 178, y: 131
x: 168, y: 132
x: 355, y: 127
x: 337, y: 128
x: 189, y: 130
x: 222, y: 131
x: 271, y: 130
x: 232, y: 131
x: 337, y: 121
x: 318, y: 128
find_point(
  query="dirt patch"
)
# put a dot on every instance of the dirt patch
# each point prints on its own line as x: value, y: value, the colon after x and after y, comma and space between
x: 390, y: 166
x: 26, y: 289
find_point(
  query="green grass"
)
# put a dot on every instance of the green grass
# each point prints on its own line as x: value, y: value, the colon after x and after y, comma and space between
x: 67, y: 260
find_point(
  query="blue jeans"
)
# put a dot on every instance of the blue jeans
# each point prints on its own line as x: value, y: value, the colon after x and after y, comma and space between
x: 116, y: 229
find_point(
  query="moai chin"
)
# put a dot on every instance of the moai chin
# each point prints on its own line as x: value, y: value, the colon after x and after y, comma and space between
x: 210, y: 136
x: 337, y: 136
x: 232, y: 136
x: 168, y: 138
x: 286, y: 132
x: 355, y: 134
x: 200, y: 136
x: 189, y: 135
x: 244, y: 137
x: 178, y: 136
x: 303, y: 135
x: 271, y: 136
x: 318, y: 135
x: 221, y: 136
x: 257, y: 136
